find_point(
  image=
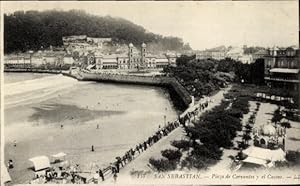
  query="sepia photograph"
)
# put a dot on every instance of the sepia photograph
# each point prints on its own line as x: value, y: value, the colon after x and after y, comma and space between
x: 150, y: 92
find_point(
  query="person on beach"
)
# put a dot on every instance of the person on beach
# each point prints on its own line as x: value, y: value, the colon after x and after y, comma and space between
x: 113, y: 168
x: 101, y: 174
x: 155, y: 138
x: 61, y: 126
x: 119, y: 160
x: 124, y: 159
x: 137, y: 149
x: 93, y: 148
x: 132, y: 152
x: 141, y: 147
x: 128, y: 156
x: 117, y: 166
x: 149, y: 141
x: 10, y: 164
x: 145, y: 146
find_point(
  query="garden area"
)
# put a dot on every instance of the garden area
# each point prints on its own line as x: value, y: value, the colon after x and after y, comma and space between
x: 207, y: 137
x: 204, y: 77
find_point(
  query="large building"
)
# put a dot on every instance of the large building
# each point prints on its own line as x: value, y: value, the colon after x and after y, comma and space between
x: 282, y: 69
x: 134, y: 59
x: 40, y: 59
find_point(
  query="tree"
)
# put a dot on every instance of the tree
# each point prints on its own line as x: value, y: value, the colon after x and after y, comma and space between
x: 246, y: 137
x: 32, y: 29
x: 277, y: 116
x: 249, y: 127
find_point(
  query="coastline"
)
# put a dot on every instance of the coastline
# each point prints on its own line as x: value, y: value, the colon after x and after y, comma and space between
x: 179, y: 96
x: 44, y: 135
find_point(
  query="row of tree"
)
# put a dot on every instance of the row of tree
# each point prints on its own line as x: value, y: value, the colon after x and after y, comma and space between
x: 32, y: 30
x: 201, y: 77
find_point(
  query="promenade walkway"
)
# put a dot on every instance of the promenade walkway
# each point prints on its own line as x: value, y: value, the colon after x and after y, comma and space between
x: 141, y: 163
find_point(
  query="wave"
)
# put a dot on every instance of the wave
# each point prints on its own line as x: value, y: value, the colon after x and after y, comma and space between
x: 36, y: 84
x: 36, y: 89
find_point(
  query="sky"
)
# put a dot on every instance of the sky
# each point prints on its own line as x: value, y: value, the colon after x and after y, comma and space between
x: 201, y: 24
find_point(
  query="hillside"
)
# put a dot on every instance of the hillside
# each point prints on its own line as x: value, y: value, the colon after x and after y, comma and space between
x: 33, y: 30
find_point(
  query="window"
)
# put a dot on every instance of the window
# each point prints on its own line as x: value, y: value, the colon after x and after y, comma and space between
x: 292, y: 64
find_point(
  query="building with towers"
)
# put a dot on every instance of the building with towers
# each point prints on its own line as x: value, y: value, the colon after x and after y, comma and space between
x: 134, y: 59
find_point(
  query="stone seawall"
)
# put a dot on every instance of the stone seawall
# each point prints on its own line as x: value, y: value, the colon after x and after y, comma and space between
x: 178, y: 93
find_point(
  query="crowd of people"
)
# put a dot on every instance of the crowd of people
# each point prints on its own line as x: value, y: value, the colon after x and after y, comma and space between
x: 159, y: 134
x: 141, y: 147
x: 68, y: 174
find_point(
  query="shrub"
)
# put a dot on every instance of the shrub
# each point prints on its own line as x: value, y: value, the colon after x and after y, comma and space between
x: 256, y: 143
x: 207, y: 151
x: 192, y: 162
x: 181, y: 144
x: 279, y: 164
x: 293, y: 156
x: 171, y: 154
x: 163, y: 164
x: 241, y: 103
x: 235, y: 113
x: 242, y: 145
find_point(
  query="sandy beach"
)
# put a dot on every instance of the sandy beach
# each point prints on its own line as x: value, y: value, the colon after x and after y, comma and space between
x: 34, y: 120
